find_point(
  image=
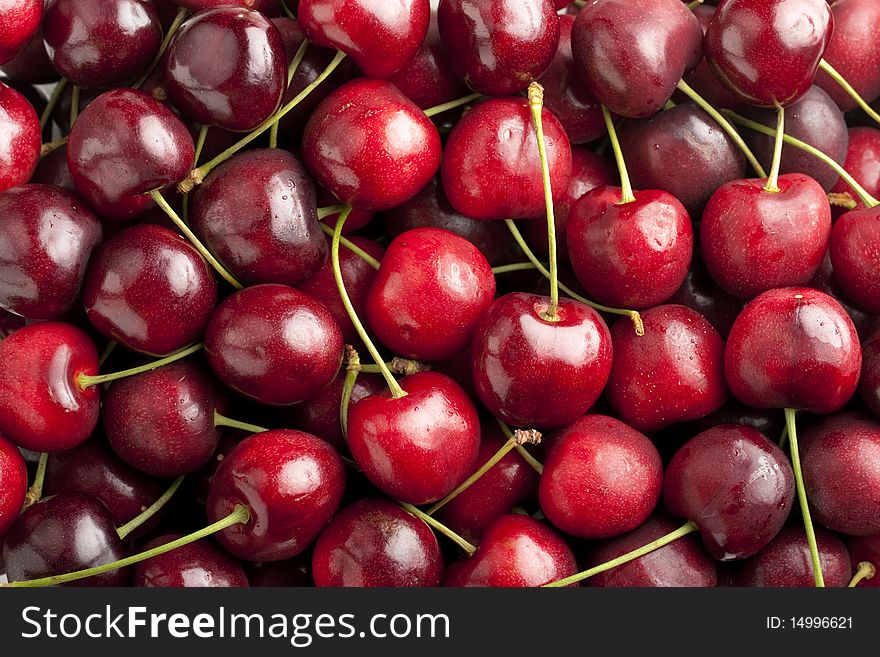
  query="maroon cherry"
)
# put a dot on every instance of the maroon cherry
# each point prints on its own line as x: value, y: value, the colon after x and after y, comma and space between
x: 869, y: 383
x: 291, y: 481
x: 866, y: 549
x: 53, y: 170
x: 531, y: 371
x: 63, y: 534
x: 601, y: 479
x: 825, y: 281
x: 46, y: 239
x: 631, y: 56
x: 516, y: 551
x: 21, y: 20
x: 256, y: 214
x: 20, y: 128
x: 226, y: 67
x: 13, y: 483
x: 735, y: 485
x: 768, y: 51
x: 862, y: 162
x: 491, y: 167
x: 499, y: 46
x: 855, y: 254
x: 701, y: 293
x: 196, y: 565
x: 32, y: 64
x: 376, y: 543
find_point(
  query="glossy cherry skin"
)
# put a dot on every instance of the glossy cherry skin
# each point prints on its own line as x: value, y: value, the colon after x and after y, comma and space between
x: 682, y: 563
x: 46, y: 239
x: 736, y: 485
x: 431, y: 290
x: 499, y: 46
x: 786, y: 562
x: 631, y: 56
x: 21, y: 20
x: 102, y: 43
x: 631, y: 255
x: 273, y: 344
x: 381, y: 37
x: 601, y: 479
x: 13, y: 483
x: 862, y: 162
x: 256, y: 214
x: 42, y: 407
x: 681, y: 151
x: 753, y: 240
x: 375, y: 542
x: 531, y: 372
x: 673, y: 373
x: 768, y: 51
x: 370, y: 145
x: 123, y: 145
x: 419, y: 447
x: 865, y: 548
x: 226, y: 67
x: 197, y: 565
x: 291, y: 481
x: 869, y: 383
x: 840, y: 456
x: 148, y: 289
x: 855, y: 254
x: 63, y: 534
x: 20, y: 129
x: 491, y: 167
x: 793, y: 348
x: 516, y: 551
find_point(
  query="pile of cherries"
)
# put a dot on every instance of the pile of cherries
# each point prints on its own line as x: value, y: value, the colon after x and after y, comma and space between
x: 439, y: 292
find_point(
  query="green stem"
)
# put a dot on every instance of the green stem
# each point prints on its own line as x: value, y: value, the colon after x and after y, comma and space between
x: 469, y: 548
x: 802, y: 497
x: 452, y: 104
x: 866, y: 570
x: 291, y: 71
x: 85, y: 381
x: 351, y: 246
x: 48, y: 147
x: 325, y: 212
x: 351, y: 374
x: 693, y: 5
x: 74, y: 104
x: 223, y: 421
x: 848, y: 88
x: 537, y: 466
x: 518, y: 266
x: 35, y: 492
x: 626, y: 192
x: 150, y: 511
x: 240, y: 516
x: 53, y: 102
x: 172, y: 30
x: 200, y: 142
x: 684, y: 530
x: 772, y: 185
x: 107, y: 351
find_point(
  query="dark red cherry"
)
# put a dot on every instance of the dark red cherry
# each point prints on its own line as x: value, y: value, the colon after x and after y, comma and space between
x: 47, y: 237
x: 273, y: 344
x: 197, y: 565
x: 376, y: 543
x: 673, y: 373
x: 491, y: 167
x: 123, y: 145
x: 13, y: 483
x: 866, y: 549
x: 256, y: 214
x: 855, y: 255
x: 63, y: 534
x: 532, y: 372
x: 102, y: 43
x: 825, y: 281
x: 682, y: 563
x: 793, y: 348
x: 629, y: 255
x: 291, y: 481
x: 601, y: 479
x: 150, y: 290
x: 753, y: 240
x: 419, y: 447
x: 226, y: 67
x: 370, y: 145
x: 42, y: 407
x: 736, y: 485
x: 681, y: 151
x: 32, y: 64
x: 700, y: 292
x: 516, y: 551
x: 786, y: 562
x: 499, y: 46
x: 52, y: 170
x: 20, y: 127
x: 869, y: 383
x: 631, y: 56
x: 862, y: 162
x: 768, y: 51
x: 21, y: 20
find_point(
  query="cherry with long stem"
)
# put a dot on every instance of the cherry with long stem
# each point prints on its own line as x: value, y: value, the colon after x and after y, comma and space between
x: 452, y: 104
x: 172, y: 30
x: 433, y: 523
x: 86, y: 381
x: 35, y: 492
x: 626, y: 190
x: 865, y: 570
x: 773, y: 179
x: 835, y: 75
x: 126, y: 529
x: 221, y: 420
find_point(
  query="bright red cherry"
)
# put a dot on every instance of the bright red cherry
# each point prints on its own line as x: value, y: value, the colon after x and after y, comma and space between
x: 869, y: 383
x: 21, y: 20
x: 855, y: 255
x: 197, y: 565
x: 20, y: 131
x: 862, y: 162
x: 13, y: 483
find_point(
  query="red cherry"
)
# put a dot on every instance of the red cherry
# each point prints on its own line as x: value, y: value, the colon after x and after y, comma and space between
x: 869, y: 383
x: 866, y: 549
x: 702, y: 294
x: 20, y: 127
x: 196, y: 565
x: 862, y: 162
x: 13, y: 483
x: 21, y: 20
x: 855, y: 254
x: 52, y: 170
x: 32, y: 64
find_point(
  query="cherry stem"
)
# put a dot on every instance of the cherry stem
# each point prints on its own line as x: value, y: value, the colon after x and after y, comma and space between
x: 866, y: 570
x: 107, y: 351
x: 518, y: 266
x: 48, y: 147
x: 52, y: 103
x: 399, y: 366
x: 802, y: 497
x: 325, y: 212
x: 848, y: 88
x: 693, y: 5
x: 537, y: 466
x: 35, y: 492
x: 842, y: 200
x: 172, y: 30
x: 668, y: 105
x: 634, y: 315
x: 351, y: 246
x: 868, y: 200
x: 74, y: 104
x: 200, y: 142
x: 452, y: 104
x: 469, y: 548
x: 684, y: 530
x: 221, y: 420
x: 686, y: 89
x: 195, y: 241
x: 291, y: 71
x: 396, y: 391
x: 86, y: 381
x: 150, y: 511
x: 626, y: 192
x: 240, y: 516
x: 783, y: 438
x: 772, y: 185
x: 520, y: 437
x: 197, y: 175
x: 352, y: 370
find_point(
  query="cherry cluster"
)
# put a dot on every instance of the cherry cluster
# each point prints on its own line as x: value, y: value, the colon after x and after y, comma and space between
x: 423, y: 292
